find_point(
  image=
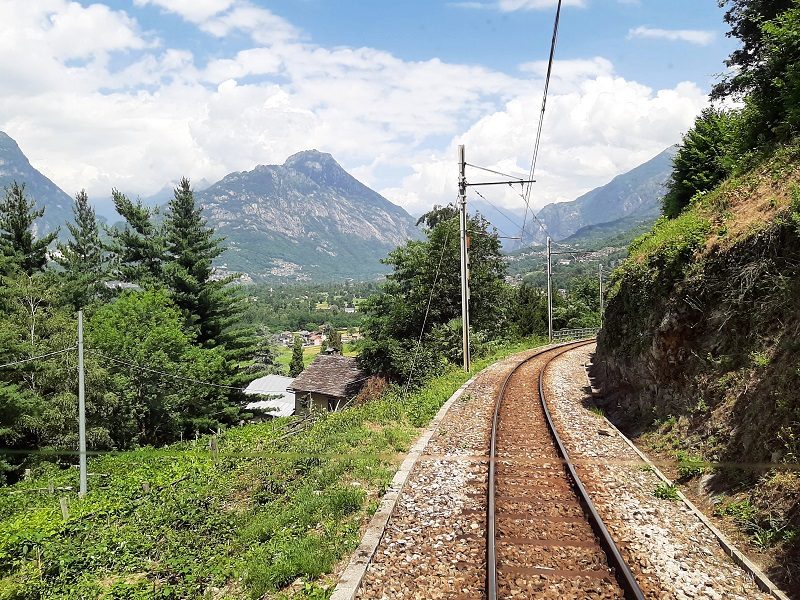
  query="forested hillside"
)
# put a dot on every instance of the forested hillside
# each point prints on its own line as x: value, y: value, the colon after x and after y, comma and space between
x: 699, y: 353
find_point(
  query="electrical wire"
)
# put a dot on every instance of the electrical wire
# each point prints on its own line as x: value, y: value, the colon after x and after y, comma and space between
x: 495, y: 172
x: 538, y: 222
x: 427, y: 310
x: 490, y: 203
x: 535, y: 156
x: 40, y: 357
x: 165, y: 374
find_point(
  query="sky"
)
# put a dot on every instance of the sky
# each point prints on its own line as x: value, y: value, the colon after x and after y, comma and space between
x: 134, y: 94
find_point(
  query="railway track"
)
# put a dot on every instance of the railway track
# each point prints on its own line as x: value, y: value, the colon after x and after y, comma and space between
x: 544, y: 538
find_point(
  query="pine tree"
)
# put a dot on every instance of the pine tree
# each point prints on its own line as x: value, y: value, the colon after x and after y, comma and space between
x: 264, y: 355
x: 211, y: 307
x: 296, y: 366
x: 333, y: 339
x: 83, y: 256
x: 138, y: 248
x: 17, y: 240
x: 208, y: 305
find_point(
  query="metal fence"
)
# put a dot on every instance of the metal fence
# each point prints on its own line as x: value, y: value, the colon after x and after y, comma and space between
x: 575, y: 334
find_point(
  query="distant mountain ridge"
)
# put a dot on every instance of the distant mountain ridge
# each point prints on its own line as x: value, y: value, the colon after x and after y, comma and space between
x: 15, y: 166
x: 305, y: 219
x: 637, y: 193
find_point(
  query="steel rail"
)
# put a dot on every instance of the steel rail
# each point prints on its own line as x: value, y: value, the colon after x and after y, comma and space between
x: 623, y: 573
x: 491, y: 554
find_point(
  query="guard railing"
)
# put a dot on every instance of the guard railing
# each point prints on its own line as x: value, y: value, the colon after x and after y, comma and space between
x: 575, y: 334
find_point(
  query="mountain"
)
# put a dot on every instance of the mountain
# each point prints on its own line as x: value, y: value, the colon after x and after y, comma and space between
x: 507, y: 221
x: 305, y: 219
x: 636, y: 193
x: 15, y: 166
x: 619, y: 233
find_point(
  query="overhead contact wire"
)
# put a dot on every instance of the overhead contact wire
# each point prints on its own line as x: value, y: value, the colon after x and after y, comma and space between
x: 535, y: 156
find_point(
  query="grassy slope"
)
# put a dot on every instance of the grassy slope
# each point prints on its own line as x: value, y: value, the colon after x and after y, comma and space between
x: 271, y: 514
x: 701, y: 344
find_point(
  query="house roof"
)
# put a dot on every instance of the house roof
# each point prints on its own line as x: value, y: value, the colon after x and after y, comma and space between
x: 331, y: 374
x: 272, y: 385
x: 268, y: 385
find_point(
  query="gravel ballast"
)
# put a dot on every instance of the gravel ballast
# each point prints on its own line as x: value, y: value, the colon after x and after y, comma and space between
x: 434, y: 547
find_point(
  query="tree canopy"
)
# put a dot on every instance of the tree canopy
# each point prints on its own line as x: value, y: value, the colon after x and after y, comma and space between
x: 423, y: 293
x: 18, y: 240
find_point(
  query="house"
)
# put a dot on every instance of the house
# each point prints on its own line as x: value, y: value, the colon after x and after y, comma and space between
x: 282, y: 402
x: 329, y: 383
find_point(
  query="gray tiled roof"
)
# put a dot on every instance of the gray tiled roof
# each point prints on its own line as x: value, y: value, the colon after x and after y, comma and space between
x: 333, y: 375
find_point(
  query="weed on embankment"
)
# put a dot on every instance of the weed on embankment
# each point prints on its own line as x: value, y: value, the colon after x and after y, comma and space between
x: 269, y: 512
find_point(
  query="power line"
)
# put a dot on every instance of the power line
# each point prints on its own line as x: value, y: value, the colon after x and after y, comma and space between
x: 428, y: 309
x: 165, y: 374
x: 538, y: 222
x: 493, y: 171
x: 490, y: 203
x: 40, y: 357
x: 535, y: 156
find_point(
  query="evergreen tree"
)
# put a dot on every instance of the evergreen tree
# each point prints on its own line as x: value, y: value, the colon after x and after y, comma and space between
x: 17, y: 241
x: 334, y: 339
x: 82, y: 257
x: 703, y: 160
x: 208, y: 306
x: 138, y: 248
x: 264, y: 356
x: 296, y: 366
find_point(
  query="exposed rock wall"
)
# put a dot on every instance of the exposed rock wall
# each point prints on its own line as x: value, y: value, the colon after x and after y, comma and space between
x: 706, y: 361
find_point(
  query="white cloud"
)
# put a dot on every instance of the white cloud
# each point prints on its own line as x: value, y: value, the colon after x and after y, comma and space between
x: 692, y: 36
x: 195, y: 11
x: 262, y: 25
x: 57, y: 44
x: 566, y: 72
x: 604, y: 126
x: 163, y: 115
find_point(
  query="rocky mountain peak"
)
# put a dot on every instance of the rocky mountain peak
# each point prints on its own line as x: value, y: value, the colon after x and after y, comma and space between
x: 11, y: 157
x: 15, y: 166
x: 307, y: 218
x: 313, y: 159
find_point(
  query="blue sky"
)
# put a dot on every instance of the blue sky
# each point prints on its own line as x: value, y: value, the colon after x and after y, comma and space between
x: 136, y: 93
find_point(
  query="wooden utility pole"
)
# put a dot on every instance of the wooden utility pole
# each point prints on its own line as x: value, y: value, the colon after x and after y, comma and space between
x: 81, y: 409
x: 549, y: 291
x: 462, y: 210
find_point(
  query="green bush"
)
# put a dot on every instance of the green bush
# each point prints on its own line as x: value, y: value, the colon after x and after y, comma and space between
x: 689, y: 466
x: 704, y: 159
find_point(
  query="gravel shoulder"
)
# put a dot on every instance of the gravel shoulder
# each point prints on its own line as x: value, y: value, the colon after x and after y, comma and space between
x: 669, y: 549
x: 433, y: 546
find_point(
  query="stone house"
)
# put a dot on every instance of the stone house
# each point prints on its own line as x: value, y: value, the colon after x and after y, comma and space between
x: 330, y: 382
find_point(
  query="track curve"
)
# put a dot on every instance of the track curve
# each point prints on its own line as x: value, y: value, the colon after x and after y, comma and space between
x: 549, y: 529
